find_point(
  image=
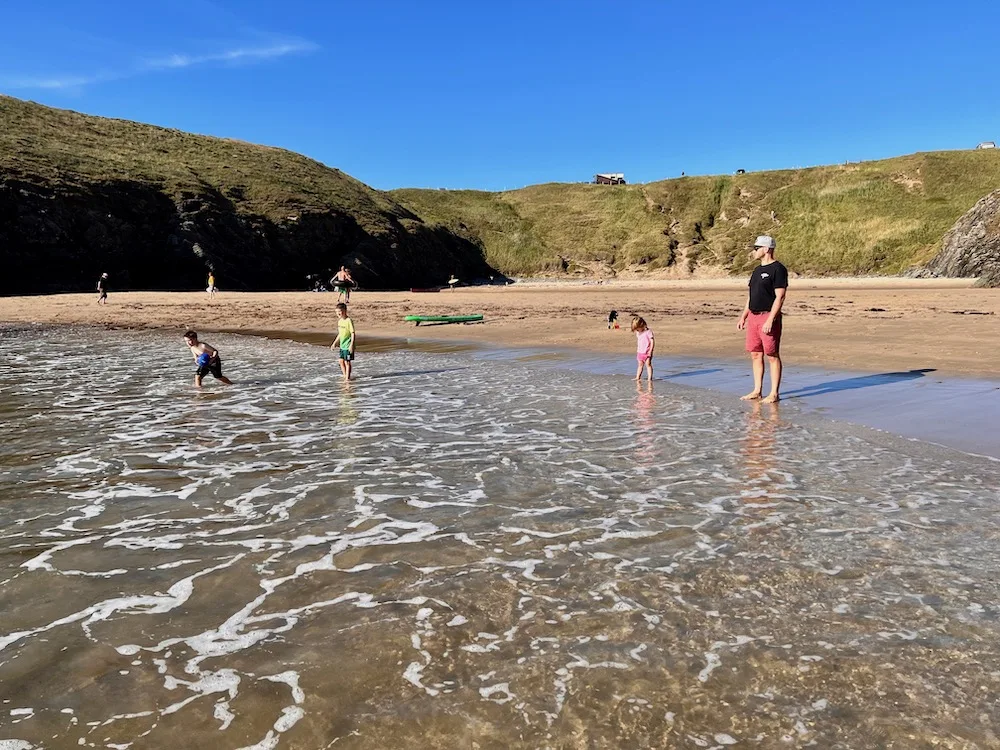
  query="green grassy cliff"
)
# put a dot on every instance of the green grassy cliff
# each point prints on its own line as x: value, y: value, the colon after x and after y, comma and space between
x: 157, y: 208
x: 878, y: 217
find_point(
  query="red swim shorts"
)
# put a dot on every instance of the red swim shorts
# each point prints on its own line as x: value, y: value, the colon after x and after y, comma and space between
x: 757, y: 340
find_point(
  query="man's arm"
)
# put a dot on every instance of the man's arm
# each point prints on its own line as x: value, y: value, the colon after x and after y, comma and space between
x: 746, y: 313
x: 779, y: 300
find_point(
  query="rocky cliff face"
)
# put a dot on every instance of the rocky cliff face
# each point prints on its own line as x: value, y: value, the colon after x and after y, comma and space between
x: 61, y: 238
x: 972, y: 246
x: 157, y: 209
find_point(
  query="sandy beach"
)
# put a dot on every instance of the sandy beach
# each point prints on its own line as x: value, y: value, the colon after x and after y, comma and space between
x: 870, y: 324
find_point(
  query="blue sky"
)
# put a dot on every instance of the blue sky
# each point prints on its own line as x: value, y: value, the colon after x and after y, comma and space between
x: 497, y: 95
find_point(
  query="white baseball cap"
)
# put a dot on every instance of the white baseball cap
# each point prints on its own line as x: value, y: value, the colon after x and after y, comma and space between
x: 764, y: 241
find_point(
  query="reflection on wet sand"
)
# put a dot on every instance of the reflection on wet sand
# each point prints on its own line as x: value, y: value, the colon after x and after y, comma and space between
x: 645, y: 424
x: 759, y: 457
x: 348, y: 411
x: 757, y: 445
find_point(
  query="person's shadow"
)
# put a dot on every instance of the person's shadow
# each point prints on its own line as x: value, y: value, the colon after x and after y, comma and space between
x: 851, y: 384
x: 690, y: 373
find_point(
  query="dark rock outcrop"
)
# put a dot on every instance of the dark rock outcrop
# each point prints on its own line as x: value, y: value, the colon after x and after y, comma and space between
x: 158, y: 208
x: 972, y: 247
x: 60, y: 238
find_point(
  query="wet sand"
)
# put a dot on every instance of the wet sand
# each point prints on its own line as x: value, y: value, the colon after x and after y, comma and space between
x: 864, y: 325
x: 466, y: 550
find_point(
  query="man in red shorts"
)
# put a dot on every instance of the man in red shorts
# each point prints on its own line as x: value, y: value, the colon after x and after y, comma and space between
x: 762, y: 318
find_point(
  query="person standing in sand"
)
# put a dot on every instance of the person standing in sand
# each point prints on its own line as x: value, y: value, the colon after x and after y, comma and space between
x: 761, y: 318
x: 211, y: 284
x: 102, y: 288
x: 342, y: 283
x: 644, y: 348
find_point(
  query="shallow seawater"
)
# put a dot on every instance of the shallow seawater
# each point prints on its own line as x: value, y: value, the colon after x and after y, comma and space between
x: 463, y: 551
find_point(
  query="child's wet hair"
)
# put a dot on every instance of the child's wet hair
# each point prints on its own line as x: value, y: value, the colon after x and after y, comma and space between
x: 638, y: 324
x: 342, y: 307
x: 191, y: 335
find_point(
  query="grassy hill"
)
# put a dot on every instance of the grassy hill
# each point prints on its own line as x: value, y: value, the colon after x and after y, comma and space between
x: 157, y: 207
x: 61, y: 146
x: 877, y: 217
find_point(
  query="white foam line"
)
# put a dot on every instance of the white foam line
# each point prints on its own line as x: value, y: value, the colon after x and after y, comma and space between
x: 539, y: 511
x: 527, y: 567
x: 290, y: 716
x: 536, y: 533
x: 712, y: 662
x: 145, y: 604
x: 41, y: 562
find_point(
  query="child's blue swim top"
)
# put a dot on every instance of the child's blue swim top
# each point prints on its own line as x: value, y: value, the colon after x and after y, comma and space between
x: 204, y: 358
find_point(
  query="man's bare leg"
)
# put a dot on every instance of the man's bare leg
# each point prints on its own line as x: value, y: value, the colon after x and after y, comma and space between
x: 224, y: 379
x: 757, y: 362
x: 197, y: 381
x: 774, y: 396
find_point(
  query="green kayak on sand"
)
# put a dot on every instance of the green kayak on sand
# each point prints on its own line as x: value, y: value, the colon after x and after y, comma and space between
x: 418, y: 319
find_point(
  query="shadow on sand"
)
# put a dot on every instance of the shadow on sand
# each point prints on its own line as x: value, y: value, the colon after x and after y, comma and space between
x: 851, y: 384
x: 690, y: 373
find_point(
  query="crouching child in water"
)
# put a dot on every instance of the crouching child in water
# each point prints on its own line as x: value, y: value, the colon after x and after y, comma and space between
x: 345, y: 340
x: 644, y: 348
x: 207, y: 358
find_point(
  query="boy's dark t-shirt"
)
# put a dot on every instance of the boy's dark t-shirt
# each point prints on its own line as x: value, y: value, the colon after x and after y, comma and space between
x: 763, y: 281
x: 102, y: 284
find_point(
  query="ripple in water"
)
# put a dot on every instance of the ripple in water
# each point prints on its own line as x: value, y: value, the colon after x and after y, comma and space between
x: 461, y: 551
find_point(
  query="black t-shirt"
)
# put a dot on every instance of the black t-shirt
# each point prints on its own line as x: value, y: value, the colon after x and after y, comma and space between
x: 763, y: 281
x: 102, y: 284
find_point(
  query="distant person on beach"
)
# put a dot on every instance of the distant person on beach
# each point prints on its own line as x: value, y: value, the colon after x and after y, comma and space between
x: 344, y: 343
x: 452, y: 282
x: 644, y: 348
x: 762, y: 318
x: 211, y: 284
x: 207, y: 358
x: 342, y: 283
x: 102, y: 287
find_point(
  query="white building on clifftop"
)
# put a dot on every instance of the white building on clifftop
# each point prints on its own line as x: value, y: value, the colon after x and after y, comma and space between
x: 609, y: 178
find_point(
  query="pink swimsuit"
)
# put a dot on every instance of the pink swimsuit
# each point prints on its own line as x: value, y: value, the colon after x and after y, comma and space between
x: 644, y: 344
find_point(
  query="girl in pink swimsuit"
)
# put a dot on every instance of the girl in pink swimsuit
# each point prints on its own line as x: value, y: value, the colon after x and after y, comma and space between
x: 644, y: 348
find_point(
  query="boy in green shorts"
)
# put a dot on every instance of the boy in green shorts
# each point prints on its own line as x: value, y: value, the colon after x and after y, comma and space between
x: 345, y: 340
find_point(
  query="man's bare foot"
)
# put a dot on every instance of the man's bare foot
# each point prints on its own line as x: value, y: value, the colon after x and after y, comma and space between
x: 772, y: 399
x: 753, y: 396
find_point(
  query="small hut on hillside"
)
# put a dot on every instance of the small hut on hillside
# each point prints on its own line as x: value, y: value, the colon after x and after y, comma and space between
x: 609, y: 178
